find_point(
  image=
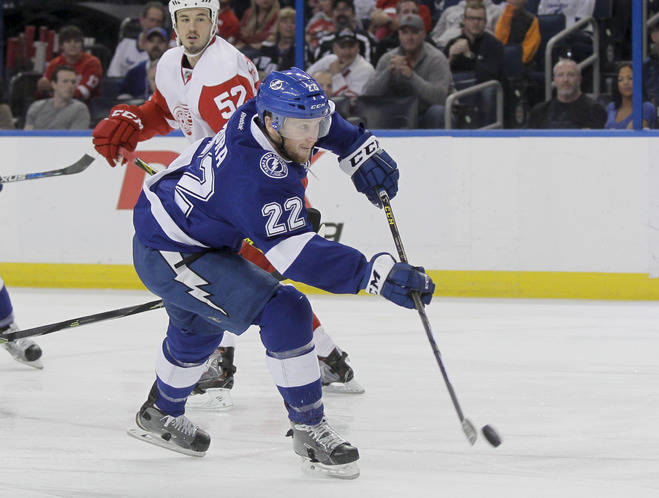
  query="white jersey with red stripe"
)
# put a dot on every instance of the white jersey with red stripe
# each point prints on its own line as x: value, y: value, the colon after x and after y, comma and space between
x: 200, y: 100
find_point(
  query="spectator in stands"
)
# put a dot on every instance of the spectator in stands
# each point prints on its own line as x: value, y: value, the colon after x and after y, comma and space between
x: 135, y: 84
x: 88, y: 67
x: 475, y: 50
x: 349, y: 70
x: 228, y: 25
x: 62, y: 111
x: 256, y: 26
x: 619, y: 111
x: 449, y: 24
x: 517, y: 26
x: 384, y: 19
x: 344, y: 16
x: 130, y: 51
x: 392, y: 41
x: 651, y: 65
x: 278, y: 52
x: 477, y: 56
x: 415, y: 68
x: 151, y: 77
x: 324, y: 79
x: 6, y: 116
x: 571, y: 109
x: 321, y: 24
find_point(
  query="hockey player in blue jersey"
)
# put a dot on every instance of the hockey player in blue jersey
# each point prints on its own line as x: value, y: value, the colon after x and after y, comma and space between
x: 190, y: 221
x: 26, y: 351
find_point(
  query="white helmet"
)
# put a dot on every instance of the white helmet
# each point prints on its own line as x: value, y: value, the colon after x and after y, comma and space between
x: 212, y: 5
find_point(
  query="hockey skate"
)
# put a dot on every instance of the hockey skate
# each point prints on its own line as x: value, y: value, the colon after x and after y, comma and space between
x: 178, y: 434
x: 213, y: 391
x: 324, y: 451
x: 336, y: 375
x: 25, y: 351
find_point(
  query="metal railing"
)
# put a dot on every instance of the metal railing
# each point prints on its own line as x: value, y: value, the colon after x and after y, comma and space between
x: 451, y: 100
x: 593, y: 59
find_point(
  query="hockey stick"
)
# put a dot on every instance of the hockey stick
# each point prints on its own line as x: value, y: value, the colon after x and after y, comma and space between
x: 83, y: 320
x: 98, y: 317
x: 131, y: 156
x: 77, y: 167
x: 467, y: 426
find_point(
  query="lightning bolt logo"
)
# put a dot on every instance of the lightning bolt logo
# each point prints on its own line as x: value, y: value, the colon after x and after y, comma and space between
x: 193, y: 281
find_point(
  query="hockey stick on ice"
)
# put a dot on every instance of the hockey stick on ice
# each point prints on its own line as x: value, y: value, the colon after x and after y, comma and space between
x: 83, y: 320
x: 98, y: 317
x: 467, y: 426
x: 77, y: 167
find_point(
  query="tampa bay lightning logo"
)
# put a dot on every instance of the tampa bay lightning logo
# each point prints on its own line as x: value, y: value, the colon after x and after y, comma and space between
x: 276, y: 85
x: 273, y: 166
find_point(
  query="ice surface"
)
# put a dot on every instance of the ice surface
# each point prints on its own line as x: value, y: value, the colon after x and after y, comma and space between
x: 571, y: 386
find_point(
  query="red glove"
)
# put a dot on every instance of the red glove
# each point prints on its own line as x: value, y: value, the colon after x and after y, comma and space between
x: 120, y: 129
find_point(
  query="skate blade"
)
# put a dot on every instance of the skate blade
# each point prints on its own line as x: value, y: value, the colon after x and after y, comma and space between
x: 352, y: 387
x: 344, y: 471
x: 34, y: 364
x: 138, y: 433
x: 213, y: 399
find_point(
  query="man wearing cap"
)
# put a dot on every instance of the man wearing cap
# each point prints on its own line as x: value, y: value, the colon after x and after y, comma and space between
x: 415, y: 68
x: 391, y: 40
x: 135, y: 83
x: 130, y: 51
x: 350, y: 71
x: 344, y: 16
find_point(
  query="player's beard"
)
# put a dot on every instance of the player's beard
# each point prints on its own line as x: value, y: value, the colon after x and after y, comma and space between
x: 299, y: 154
x: 197, y: 46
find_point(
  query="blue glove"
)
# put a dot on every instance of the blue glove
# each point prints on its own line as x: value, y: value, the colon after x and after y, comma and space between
x: 396, y: 281
x: 1, y: 185
x: 370, y: 168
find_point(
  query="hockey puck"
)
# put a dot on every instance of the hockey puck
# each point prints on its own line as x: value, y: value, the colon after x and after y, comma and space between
x: 491, y: 435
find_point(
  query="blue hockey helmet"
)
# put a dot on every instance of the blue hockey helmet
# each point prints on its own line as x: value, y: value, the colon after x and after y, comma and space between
x: 293, y: 94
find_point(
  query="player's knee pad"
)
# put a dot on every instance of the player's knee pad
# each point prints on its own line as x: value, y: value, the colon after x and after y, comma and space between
x: 185, y: 348
x: 286, y: 320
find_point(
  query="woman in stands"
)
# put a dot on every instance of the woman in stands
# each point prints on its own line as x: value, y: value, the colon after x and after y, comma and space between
x: 620, y: 110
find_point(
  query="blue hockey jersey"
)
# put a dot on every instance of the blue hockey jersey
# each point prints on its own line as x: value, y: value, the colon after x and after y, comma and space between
x: 236, y: 185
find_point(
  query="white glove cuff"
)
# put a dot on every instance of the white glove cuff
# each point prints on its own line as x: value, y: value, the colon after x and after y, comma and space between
x: 353, y: 162
x: 380, y: 269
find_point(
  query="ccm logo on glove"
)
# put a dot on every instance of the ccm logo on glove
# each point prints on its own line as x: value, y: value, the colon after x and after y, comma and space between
x: 122, y: 113
x: 352, y: 163
x: 397, y: 281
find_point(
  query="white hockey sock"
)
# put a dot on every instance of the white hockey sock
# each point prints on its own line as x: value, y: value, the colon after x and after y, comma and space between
x: 323, y: 342
x: 228, y: 340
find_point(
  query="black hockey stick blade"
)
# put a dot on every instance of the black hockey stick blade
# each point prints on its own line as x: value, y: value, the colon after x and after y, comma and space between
x: 467, y: 427
x: 83, y: 320
x: 77, y: 167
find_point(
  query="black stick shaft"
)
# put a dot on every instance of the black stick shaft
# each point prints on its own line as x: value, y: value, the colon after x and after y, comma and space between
x: 77, y: 167
x: 83, y: 320
x: 468, y: 428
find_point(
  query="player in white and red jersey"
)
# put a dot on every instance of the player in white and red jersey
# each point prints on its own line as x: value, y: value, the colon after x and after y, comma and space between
x: 205, y: 74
